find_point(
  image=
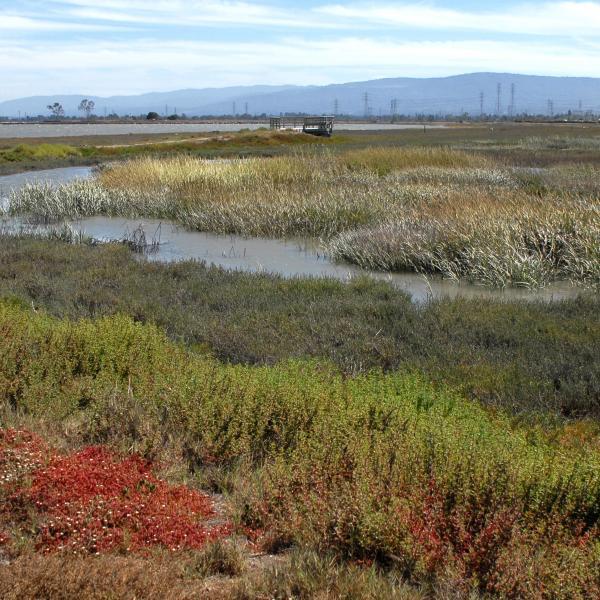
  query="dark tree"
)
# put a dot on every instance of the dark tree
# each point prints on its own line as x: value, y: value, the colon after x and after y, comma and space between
x: 57, y: 110
x: 152, y: 116
x: 87, y: 106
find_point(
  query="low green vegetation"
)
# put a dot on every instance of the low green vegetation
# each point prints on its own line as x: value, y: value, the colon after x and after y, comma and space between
x: 92, y: 151
x: 528, y: 357
x: 374, y: 466
x: 39, y: 152
x: 429, y: 210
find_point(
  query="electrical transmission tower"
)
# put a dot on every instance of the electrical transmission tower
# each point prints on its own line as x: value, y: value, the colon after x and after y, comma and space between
x: 246, y: 108
x: 498, y: 99
x: 234, y: 110
x: 550, y: 107
x: 513, y: 90
x: 336, y: 107
x: 394, y: 107
x: 481, y: 101
x: 366, y: 103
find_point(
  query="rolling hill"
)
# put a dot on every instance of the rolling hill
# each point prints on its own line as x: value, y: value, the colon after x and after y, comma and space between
x: 497, y: 93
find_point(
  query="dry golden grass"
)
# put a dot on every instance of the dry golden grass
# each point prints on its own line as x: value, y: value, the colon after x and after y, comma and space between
x: 386, y: 160
x: 433, y: 210
x: 110, y: 577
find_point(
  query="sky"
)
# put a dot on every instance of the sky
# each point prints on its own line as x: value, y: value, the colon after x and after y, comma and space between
x: 110, y: 47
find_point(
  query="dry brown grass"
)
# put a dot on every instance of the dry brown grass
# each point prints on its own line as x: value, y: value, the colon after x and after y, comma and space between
x: 65, y: 577
x: 303, y: 575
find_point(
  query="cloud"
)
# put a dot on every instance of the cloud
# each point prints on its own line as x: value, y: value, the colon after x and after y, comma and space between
x: 142, y: 65
x: 566, y: 18
x: 17, y: 23
x: 193, y: 13
x: 365, y: 41
x: 549, y: 18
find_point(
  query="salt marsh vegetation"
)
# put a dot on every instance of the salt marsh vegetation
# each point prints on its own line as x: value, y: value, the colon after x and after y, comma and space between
x: 377, y: 448
x: 429, y: 210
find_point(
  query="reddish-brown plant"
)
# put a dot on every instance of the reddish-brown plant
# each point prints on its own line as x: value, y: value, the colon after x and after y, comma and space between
x: 94, y: 501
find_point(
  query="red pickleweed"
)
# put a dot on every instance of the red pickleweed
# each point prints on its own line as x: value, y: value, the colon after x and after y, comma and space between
x: 95, y: 501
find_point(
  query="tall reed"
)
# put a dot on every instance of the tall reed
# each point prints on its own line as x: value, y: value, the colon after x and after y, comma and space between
x: 429, y: 210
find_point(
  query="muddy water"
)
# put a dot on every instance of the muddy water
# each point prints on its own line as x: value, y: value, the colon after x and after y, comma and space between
x: 289, y: 258
x: 65, y: 175
x: 41, y: 130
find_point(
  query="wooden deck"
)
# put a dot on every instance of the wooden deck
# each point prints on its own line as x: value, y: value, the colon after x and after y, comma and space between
x: 314, y: 125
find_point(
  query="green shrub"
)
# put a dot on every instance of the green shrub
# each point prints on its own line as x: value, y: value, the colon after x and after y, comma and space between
x: 374, y: 466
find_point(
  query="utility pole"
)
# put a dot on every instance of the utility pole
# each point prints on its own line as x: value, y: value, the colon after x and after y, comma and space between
x: 481, y: 100
x: 499, y: 99
x: 366, y: 103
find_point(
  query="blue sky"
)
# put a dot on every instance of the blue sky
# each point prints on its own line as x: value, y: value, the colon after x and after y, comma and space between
x: 108, y: 47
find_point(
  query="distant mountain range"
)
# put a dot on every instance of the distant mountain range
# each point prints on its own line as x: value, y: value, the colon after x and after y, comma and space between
x: 495, y: 93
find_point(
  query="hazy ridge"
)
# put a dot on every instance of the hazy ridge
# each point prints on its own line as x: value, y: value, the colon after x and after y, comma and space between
x: 445, y: 95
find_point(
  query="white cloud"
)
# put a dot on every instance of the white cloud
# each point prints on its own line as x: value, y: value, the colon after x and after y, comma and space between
x: 19, y: 23
x: 193, y: 12
x: 370, y: 46
x: 548, y: 18
x: 142, y: 65
x: 564, y: 18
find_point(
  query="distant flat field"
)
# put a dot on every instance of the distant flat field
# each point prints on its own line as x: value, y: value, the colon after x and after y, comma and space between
x: 53, y: 130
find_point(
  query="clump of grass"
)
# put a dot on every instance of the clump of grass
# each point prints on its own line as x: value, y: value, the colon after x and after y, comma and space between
x: 384, y: 161
x: 494, y: 249
x: 106, y: 577
x: 221, y: 557
x: 63, y: 232
x: 560, y: 142
x: 313, y: 575
x: 38, y: 152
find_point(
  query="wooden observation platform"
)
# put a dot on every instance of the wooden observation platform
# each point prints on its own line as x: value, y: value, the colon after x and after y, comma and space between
x: 313, y: 125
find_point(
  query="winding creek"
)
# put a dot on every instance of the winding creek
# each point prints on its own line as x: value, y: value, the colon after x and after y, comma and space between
x: 289, y: 258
